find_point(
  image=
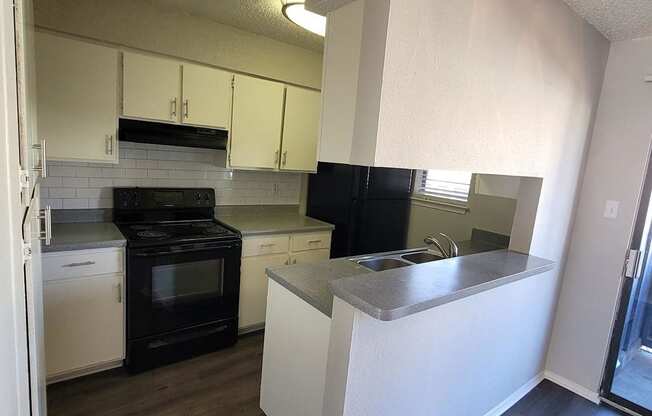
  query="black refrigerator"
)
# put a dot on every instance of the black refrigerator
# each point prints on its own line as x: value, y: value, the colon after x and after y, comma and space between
x: 369, y: 206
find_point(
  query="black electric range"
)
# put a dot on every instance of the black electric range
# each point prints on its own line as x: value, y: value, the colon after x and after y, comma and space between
x: 183, y: 275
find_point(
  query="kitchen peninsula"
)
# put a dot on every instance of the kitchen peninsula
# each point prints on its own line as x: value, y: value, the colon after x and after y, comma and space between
x: 395, y: 341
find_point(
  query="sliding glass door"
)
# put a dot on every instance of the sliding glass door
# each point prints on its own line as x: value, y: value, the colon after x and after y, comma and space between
x: 628, y: 376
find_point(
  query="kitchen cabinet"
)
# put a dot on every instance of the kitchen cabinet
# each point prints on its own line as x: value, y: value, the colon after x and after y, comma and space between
x: 77, y: 99
x: 207, y: 96
x: 253, y: 288
x: 300, y: 130
x: 151, y: 87
x: 261, y: 252
x: 256, y: 123
x: 84, y: 311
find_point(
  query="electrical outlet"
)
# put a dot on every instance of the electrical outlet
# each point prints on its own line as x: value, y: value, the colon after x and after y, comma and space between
x: 611, y: 209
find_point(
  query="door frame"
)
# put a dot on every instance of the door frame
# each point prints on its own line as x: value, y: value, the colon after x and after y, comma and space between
x: 11, y: 215
x: 626, y: 287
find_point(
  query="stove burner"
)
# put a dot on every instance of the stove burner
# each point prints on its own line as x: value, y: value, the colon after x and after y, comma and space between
x: 215, y: 229
x: 203, y: 225
x: 152, y: 234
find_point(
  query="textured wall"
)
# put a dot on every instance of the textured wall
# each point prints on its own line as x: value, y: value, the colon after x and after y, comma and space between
x: 615, y: 169
x: 138, y: 24
x: 72, y: 185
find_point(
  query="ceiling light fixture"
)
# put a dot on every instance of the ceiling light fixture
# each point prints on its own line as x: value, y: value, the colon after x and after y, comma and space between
x: 297, y: 14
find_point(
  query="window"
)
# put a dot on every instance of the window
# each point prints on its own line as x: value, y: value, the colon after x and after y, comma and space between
x: 443, y: 186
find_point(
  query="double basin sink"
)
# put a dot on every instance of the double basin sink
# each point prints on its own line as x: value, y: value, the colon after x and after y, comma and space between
x: 394, y: 260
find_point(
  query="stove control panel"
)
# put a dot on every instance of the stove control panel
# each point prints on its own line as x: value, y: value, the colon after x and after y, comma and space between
x: 162, y: 198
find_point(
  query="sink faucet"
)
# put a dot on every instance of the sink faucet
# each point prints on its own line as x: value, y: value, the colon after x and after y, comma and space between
x: 453, y: 249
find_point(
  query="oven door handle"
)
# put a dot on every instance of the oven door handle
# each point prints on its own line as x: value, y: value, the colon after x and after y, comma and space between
x: 191, y: 250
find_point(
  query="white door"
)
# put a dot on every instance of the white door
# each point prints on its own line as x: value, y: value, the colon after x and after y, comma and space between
x: 207, y: 96
x: 33, y: 163
x: 300, y: 130
x: 83, y: 322
x: 256, y: 127
x: 77, y: 98
x: 253, y: 288
x: 151, y: 88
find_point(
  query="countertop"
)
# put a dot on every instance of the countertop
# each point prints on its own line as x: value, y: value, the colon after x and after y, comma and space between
x: 272, y: 223
x: 396, y: 293
x: 83, y: 236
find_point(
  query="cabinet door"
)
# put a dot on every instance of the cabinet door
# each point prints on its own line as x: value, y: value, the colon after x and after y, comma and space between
x: 207, y: 96
x: 84, y: 322
x: 311, y: 256
x: 300, y: 130
x: 256, y: 126
x: 253, y: 288
x: 151, y: 87
x: 77, y: 98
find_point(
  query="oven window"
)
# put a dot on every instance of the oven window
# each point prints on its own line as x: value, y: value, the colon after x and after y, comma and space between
x: 187, y: 282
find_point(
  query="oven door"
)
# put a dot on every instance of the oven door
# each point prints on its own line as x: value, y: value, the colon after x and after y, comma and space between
x: 175, y: 287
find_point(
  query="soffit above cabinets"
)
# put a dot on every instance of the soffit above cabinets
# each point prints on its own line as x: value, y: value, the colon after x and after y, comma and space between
x: 616, y: 19
x: 263, y: 17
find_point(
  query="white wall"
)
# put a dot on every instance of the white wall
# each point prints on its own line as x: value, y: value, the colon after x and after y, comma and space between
x: 614, y: 170
x: 140, y: 25
x: 463, y: 358
x: 502, y: 87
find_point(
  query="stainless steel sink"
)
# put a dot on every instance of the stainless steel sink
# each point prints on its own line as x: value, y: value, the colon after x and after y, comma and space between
x: 381, y: 264
x: 396, y: 259
x: 421, y: 257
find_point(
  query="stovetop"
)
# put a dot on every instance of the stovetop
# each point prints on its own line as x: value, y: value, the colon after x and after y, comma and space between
x: 143, y: 234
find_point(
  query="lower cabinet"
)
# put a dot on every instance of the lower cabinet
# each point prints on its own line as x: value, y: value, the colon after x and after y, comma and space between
x: 261, y: 252
x: 84, y: 312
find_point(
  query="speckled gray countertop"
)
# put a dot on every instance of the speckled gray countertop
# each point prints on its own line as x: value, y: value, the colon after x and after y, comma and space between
x: 272, y: 223
x: 396, y: 293
x: 82, y: 236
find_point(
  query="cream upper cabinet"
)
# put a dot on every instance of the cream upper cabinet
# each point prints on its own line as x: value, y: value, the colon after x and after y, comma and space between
x: 207, y: 96
x: 300, y: 130
x: 77, y: 99
x: 151, y: 88
x: 256, y: 124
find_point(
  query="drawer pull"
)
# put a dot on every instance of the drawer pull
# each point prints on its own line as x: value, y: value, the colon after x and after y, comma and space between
x: 83, y: 263
x: 314, y: 241
x: 268, y: 245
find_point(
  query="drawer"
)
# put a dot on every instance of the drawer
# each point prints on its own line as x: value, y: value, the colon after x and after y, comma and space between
x: 310, y: 241
x: 272, y: 244
x: 82, y: 263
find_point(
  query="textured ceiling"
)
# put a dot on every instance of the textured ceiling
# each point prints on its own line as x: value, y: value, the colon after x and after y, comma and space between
x: 617, y: 19
x: 263, y: 17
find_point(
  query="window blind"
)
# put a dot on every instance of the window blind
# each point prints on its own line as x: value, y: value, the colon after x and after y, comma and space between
x: 450, y: 186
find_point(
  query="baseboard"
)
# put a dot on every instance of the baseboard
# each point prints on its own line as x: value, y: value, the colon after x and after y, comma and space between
x: 574, y: 387
x: 513, y: 398
x: 84, y: 371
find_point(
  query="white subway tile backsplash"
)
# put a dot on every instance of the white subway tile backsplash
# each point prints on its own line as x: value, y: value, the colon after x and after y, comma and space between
x: 90, y: 185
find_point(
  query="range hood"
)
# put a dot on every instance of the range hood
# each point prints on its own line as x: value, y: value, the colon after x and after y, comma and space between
x: 172, y: 134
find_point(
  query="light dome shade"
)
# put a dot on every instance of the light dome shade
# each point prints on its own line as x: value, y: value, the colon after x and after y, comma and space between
x: 297, y: 14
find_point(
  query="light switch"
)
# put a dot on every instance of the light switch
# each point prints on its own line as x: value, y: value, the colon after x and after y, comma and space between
x: 611, y: 209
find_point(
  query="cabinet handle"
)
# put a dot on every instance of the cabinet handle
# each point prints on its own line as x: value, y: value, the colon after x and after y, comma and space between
x: 46, y: 215
x: 43, y: 163
x: 268, y: 245
x: 83, y: 263
x: 285, y: 157
x: 186, y: 110
x: 109, y: 144
x: 294, y: 261
x: 119, y: 289
x: 276, y: 155
x: 173, y: 113
x: 314, y: 241
x: 287, y: 262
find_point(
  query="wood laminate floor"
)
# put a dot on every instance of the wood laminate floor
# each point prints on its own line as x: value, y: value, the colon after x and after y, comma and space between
x: 227, y: 383
x: 222, y: 383
x: 549, y: 399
